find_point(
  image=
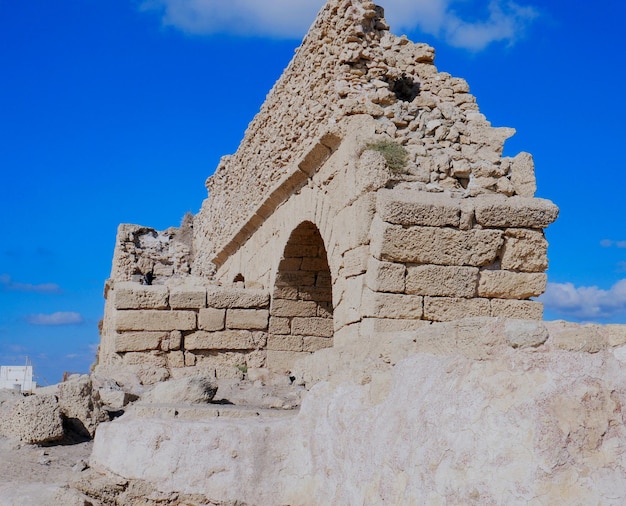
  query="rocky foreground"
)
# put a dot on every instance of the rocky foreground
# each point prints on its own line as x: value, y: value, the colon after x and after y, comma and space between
x: 479, y: 411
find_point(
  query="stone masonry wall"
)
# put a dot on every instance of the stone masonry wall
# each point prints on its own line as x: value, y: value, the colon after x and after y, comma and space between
x: 349, y: 63
x: 163, y: 331
x: 434, y: 257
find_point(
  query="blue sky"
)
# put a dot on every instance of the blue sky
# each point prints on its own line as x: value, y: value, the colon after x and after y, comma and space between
x: 117, y: 111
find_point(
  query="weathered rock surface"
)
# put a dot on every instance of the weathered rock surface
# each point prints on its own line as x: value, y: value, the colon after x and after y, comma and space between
x: 71, y: 408
x: 80, y: 405
x: 482, y: 411
x: 33, y: 420
x: 190, y: 390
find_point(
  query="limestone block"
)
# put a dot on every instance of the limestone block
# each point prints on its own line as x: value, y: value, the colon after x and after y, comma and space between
x: 314, y: 264
x: 322, y: 280
x: 162, y: 270
x: 244, y: 298
x: 155, y: 320
x: 295, y: 278
x: 129, y: 295
x: 325, y: 309
x: 523, y: 175
x: 315, y: 293
x: 285, y: 292
x: 351, y: 226
x: 322, y: 327
x: 224, y: 340
x: 247, y: 319
x: 521, y: 309
x: 616, y: 334
x: 355, y: 261
x: 294, y: 251
x: 211, y: 319
x: 314, y: 158
x: 80, y: 408
x: 225, y: 364
x: 290, y: 308
x: 409, y: 207
x: 256, y: 358
x: 442, y: 281
x: 151, y: 359
x: 284, y: 343
x: 524, y: 333
x: 139, y: 341
x: 372, y: 172
x: 385, y: 276
x: 291, y: 264
x: 497, y: 211
x: 430, y: 245
x: 185, y: 390
x: 315, y: 343
x: 538, y: 428
x: 279, y: 325
x: 391, y: 305
x: 444, y: 309
x: 511, y: 285
x: 115, y: 399
x: 524, y: 250
x: 176, y: 359
x: 574, y: 337
x: 282, y: 362
x: 346, y: 301
x: 187, y: 297
x: 34, y: 420
x: 175, y: 340
x: 373, y: 326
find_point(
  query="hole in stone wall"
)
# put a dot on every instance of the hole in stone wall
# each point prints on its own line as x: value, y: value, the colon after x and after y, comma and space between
x: 404, y: 88
x: 239, y: 279
x: 301, y: 312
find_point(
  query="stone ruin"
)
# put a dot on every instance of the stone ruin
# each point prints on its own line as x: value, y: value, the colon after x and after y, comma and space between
x: 369, y: 251
x: 368, y: 195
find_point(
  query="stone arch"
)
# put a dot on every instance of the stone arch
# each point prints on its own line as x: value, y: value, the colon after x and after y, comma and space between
x: 301, y: 310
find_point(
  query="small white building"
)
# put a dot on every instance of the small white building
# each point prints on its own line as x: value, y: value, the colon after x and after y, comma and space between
x: 17, y: 377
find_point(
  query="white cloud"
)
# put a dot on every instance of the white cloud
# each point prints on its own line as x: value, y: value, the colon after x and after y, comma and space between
x: 585, y: 302
x: 504, y: 20
x: 6, y: 283
x: 608, y: 243
x: 275, y: 18
x: 59, y: 318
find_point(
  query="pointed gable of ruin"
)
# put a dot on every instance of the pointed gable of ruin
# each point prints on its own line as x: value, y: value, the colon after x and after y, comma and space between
x: 349, y: 63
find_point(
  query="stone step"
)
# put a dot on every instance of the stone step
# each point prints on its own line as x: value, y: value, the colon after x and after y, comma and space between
x: 207, y: 412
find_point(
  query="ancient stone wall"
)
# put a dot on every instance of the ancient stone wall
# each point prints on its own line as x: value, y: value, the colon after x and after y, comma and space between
x: 439, y: 258
x: 145, y: 255
x: 349, y: 63
x: 368, y: 195
x: 159, y: 331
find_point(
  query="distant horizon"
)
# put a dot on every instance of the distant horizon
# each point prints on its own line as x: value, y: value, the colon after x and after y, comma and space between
x: 118, y: 112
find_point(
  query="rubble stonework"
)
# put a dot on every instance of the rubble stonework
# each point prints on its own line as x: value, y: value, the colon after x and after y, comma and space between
x: 341, y: 241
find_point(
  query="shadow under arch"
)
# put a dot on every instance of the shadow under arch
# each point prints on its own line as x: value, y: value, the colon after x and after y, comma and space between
x: 301, y: 310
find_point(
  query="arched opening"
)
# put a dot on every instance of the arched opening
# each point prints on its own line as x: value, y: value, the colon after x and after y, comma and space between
x: 301, y: 312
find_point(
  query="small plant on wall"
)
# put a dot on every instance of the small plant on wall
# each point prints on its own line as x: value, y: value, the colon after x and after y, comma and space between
x: 396, y: 156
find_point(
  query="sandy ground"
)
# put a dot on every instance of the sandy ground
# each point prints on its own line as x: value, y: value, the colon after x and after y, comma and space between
x: 36, y: 475
x: 32, y: 475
